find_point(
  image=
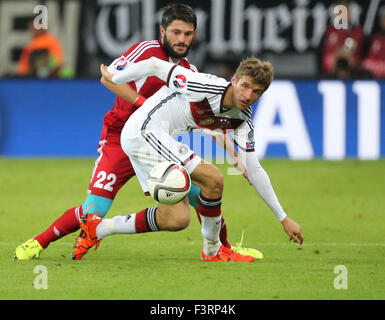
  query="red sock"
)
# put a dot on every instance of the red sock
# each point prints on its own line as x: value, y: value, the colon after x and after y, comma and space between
x: 69, y: 222
x: 223, y: 232
x: 145, y: 220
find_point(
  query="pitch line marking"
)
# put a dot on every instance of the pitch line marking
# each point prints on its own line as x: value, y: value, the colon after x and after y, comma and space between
x: 307, y: 244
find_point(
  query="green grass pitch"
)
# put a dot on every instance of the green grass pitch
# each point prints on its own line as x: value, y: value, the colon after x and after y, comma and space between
x: 340, y: 206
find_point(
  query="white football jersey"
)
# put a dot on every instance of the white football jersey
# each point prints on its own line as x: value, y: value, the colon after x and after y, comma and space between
x: 194, y: 101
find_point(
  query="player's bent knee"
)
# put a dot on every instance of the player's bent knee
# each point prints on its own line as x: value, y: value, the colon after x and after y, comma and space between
x: 215, y: 183
x: 183, y: 221
x: 179, y: 220
x: 218, y: 181
x: 175, y: 217
x: 210, y: 178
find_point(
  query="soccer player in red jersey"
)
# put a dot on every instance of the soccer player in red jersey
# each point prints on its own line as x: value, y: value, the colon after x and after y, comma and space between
x: 113, y: 168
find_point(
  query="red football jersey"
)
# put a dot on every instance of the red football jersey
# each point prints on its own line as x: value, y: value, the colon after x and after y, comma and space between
x: 335, y: 39
x: 121, y: 111
x: 375, y: 60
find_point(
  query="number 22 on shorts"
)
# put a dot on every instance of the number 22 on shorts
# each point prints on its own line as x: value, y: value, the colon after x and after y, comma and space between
x: 102, y: 177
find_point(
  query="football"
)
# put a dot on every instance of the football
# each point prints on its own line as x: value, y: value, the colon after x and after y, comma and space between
x: 169, y: 182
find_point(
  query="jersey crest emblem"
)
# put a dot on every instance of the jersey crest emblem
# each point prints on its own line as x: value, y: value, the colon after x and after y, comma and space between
x: 251, y: 135
x: 183, y: 149
x: 180, y: 81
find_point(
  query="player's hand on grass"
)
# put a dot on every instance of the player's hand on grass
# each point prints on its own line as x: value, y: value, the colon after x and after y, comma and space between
x: 106, y: 75
x: 293, y: 230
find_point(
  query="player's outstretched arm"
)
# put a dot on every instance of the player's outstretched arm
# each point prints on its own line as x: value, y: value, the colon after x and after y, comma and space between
x: 177, y: 78
x: 261, y: 182
x: 143, y: 69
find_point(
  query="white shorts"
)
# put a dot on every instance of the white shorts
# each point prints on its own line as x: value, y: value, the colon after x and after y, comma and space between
x: 150, y: 147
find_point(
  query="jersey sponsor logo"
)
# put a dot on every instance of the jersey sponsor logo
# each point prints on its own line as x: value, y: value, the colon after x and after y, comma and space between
x: 180, y: 81
x: 120, y: 63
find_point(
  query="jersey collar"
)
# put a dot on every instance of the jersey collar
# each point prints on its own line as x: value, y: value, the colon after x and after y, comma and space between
x: 222, y: 108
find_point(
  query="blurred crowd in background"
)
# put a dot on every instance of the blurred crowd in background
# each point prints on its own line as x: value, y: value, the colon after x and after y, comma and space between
x: 347, y: 53
x: 353, y: 49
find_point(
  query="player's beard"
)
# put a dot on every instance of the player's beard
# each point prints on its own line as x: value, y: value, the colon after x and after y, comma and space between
x: 171, y: 52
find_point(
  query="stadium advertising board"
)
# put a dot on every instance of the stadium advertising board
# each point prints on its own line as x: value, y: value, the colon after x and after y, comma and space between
x: 328, y: 119
x: 295, y: 119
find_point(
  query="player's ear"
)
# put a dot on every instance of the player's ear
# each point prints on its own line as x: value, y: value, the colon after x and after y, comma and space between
x: 162, y: 31
x: 234, y: 80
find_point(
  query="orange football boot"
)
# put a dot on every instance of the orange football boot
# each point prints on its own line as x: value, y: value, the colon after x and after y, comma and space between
x: 226, y: 255
x: 87, y: 237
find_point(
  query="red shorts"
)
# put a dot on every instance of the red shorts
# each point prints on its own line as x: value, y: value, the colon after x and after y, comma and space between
x: 112, y: 168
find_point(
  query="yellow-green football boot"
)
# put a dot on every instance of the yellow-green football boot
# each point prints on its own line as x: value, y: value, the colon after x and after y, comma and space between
x: 28, y: 250
x: 258, y: 255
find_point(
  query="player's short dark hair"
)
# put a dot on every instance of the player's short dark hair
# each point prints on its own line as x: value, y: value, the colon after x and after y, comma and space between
x: 178, y: 11
x: 262, y: 72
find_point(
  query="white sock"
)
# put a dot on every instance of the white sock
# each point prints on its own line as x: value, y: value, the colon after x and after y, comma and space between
x: 210, y: 248
x: 211, y: 227
x: 118, y: 224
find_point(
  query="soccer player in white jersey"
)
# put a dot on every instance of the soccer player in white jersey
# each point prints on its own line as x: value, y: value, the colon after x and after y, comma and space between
x: 193, y: 100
